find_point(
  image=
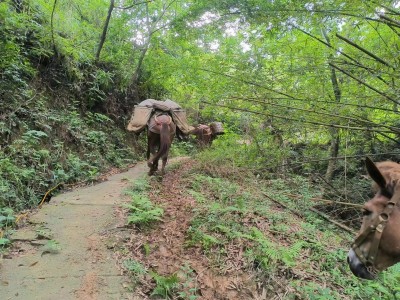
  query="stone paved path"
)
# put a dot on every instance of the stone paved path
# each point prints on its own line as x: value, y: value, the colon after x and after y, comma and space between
x: 78, y: 264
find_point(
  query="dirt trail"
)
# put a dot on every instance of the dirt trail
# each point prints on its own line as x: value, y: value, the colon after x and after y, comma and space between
x: 78, y: 265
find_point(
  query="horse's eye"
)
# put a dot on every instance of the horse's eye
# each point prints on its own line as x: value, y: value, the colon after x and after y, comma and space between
x: 366, y: 212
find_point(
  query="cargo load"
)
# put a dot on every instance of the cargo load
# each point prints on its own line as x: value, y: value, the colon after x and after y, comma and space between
x: 145, y: 109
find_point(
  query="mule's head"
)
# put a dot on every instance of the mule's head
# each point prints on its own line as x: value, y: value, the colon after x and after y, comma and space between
x: 377, y: 245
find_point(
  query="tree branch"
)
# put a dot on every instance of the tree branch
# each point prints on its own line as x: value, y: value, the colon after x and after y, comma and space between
x: 339, y: 51
x: 326, y: 44
x: 324, y: 101
x: 364, y: 50
x: 366, y: 122
x: 303, y: 121
x: 365, y: 84
x: 248, y: 82
x: 390, y: 21
x: 133, y: 5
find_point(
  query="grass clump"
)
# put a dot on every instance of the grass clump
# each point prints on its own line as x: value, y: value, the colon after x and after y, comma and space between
x: 142, y: 211
x: 7, y: 221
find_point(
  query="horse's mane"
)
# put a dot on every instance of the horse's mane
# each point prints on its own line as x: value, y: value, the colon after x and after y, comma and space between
x: 390, y: 171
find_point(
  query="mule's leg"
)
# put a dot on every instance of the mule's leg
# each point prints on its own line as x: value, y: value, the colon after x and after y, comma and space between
x: 155, y: 161
x: 164, y: 162
x: 150, y: 159
x: 165, y: 158
x: 151, y: 163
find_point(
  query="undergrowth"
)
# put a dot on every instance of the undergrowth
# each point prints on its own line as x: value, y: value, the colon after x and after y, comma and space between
x: 56, y: 147
x: 299, y: 256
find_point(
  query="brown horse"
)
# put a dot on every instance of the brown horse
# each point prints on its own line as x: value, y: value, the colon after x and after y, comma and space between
x: 160, y: 133
x: 377, y: 246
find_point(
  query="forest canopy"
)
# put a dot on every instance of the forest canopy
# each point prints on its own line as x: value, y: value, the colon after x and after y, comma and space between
x: 314, y: 86
x: 305, y: 92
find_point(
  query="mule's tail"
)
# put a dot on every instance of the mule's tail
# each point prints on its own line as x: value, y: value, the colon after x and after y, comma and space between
x: 165, y: 142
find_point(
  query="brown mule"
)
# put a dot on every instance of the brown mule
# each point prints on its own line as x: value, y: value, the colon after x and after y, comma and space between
x: 377, y: 246
x: 203, y: 134
x: 160, y: 133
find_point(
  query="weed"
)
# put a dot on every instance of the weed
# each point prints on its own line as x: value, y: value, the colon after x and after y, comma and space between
x: 44, y: 233
x: 187, y: 290
x: 182, y: 148
x: 7, y: 218
x: 4, y: 242
x: 165, y: 285
x: 146, y: 249
x: 52, y: 247
x: 197, y: 236
x: 136, y: 269
x: 140, y: 185
x: 142, y: 210
x: 7, y: 221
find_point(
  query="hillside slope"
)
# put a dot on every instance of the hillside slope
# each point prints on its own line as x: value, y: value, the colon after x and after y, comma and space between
x: 222, y: 237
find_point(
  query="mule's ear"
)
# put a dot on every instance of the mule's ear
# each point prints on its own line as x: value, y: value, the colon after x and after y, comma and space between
x: 375, y: 174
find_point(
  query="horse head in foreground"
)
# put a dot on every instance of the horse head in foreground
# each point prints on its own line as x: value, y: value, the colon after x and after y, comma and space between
x: 377, y: 246
x: 160, y: 133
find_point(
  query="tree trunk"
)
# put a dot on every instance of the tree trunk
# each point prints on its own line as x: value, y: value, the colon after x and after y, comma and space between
x: 144, y: 48
x: 105, y: 28
x: 52, y: 28
x: 335, y: 138
x: 333, y: 152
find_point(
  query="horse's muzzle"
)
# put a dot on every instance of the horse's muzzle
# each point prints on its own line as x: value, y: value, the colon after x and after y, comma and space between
x: 357, y: 267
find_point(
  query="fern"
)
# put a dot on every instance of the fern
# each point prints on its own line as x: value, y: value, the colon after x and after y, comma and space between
x: 143, y: 211
x: 164, y: 285
x: 146, y: 217
x: 271, y: 253
x: 289, y: 255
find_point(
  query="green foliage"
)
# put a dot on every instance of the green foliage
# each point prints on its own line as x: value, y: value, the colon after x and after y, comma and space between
x: 4, y: 242
x: 142, y: 210
x: 187, y: 287
x: 139, y: 186
x: 55, y: 147
x: 51, y: 247
x: 182, y: 148
x: 136, y: 270
x: 7, y: 218
x: 44, y: 233
x: 165, y: 285
x: 7, y: 221
x: 269, y: 254
x: 306, y: 253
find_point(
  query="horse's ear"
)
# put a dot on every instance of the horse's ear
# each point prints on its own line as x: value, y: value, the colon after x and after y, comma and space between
x: 375, y: 174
